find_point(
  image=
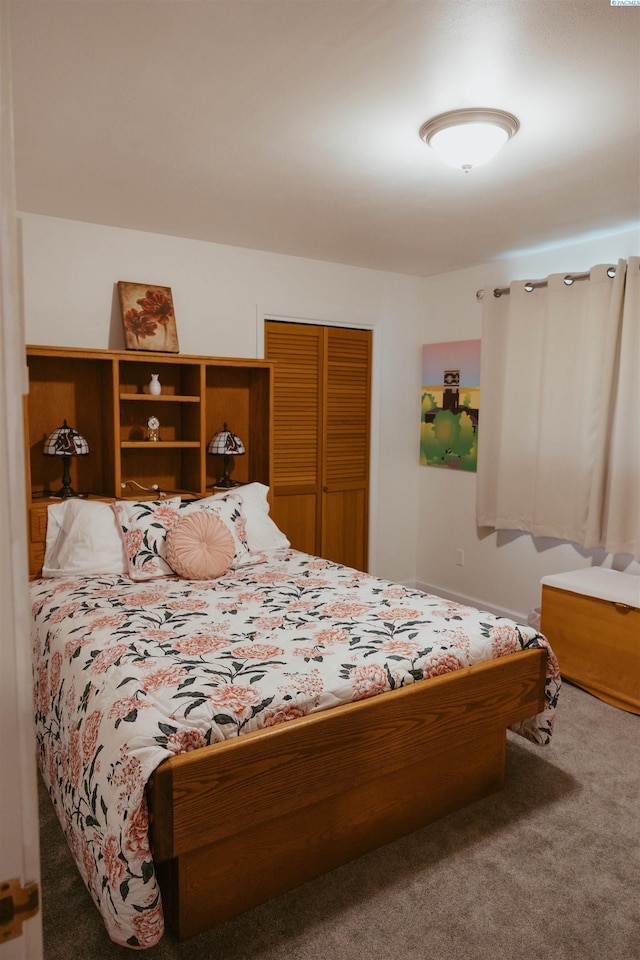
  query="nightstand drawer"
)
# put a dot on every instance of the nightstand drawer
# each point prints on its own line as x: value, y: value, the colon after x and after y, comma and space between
x: 38, y: 522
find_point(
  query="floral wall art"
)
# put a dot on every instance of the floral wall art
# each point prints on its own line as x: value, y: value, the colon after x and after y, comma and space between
x: 450, y: 405
x: 147, y: 317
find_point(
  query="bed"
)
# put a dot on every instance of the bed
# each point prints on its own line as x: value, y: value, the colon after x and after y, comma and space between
x: 210, y: 742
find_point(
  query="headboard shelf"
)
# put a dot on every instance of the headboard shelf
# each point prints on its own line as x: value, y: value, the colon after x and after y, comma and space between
x: 164, y: 398
x: 104, y: 395
x: 158, y: 445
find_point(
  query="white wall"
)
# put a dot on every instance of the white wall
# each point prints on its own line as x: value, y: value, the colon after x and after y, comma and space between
x: 221, y: 295
x: 501, y: 570
x: 419, y: 515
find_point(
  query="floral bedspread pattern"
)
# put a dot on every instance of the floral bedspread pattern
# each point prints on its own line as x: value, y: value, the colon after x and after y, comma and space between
x: 127, y: 674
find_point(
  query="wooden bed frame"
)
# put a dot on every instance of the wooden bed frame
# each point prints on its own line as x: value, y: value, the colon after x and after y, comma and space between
x: 242, y: 821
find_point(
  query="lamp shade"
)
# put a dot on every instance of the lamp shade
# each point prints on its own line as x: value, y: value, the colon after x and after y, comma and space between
x: 65, y: 442
x: 226, y: 444
x: 468, y: 138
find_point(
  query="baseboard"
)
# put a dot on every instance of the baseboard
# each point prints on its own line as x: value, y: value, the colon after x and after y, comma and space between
x: 516, y: 615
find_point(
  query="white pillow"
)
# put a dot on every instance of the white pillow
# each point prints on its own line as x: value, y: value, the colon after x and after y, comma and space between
x: 83, y: 539
x: 262, y: 532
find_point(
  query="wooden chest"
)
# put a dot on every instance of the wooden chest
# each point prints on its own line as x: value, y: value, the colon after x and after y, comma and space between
x: 591, y: 618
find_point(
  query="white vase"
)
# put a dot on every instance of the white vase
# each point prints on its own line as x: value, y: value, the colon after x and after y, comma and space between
x: 155, y: 388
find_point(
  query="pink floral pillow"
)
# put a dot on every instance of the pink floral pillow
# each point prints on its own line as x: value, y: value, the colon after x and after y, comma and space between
x: 227, y: 508
x: 144, y: 526
x: 199, y: 546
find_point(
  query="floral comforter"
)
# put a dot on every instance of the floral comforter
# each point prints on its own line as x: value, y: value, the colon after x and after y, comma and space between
x: 127, y: 674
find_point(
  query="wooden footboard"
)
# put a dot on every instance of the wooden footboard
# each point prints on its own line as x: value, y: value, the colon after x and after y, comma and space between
x: 242, y: 821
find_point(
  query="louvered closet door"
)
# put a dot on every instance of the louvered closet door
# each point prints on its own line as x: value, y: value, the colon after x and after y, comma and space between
x: 297, y: 350
x: 321, y: 438
x: 345, y: 464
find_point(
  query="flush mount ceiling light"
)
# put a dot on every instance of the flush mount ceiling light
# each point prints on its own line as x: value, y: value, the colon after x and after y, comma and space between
x: 468, y: 138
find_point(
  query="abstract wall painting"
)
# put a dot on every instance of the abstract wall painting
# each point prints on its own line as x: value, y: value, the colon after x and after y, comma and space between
x: 147, y: 317
x: 450, y: 405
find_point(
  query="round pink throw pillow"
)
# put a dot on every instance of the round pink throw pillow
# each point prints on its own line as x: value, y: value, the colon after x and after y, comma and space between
x: 199, y: 547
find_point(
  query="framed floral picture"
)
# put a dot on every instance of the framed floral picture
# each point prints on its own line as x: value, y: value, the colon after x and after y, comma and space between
x: 147, y: 317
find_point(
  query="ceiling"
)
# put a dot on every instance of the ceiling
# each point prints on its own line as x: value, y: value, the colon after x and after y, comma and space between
x: 292, y: 125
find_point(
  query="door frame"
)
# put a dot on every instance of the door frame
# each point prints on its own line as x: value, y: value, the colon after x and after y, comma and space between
x: 19, y: 824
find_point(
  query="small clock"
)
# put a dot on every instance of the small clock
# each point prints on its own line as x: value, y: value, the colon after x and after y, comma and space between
x: 153, y: 425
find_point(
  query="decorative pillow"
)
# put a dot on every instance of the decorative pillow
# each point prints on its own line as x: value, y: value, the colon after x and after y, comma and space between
x: 83, y: 539
x: 199, y: 546
x: 144, y: 526
x: 262, y: 532
x: 228, y: 508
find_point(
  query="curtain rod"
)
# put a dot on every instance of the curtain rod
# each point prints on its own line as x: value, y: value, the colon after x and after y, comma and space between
x: 535, y: 284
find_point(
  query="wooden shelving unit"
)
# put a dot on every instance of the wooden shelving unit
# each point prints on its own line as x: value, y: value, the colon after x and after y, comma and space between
x: 104, y: 395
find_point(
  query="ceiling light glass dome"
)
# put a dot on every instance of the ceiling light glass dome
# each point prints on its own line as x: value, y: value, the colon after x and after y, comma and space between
x: 468, y: 138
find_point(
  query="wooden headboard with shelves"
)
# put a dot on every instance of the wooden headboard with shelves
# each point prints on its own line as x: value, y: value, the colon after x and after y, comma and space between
x: 104, y: 395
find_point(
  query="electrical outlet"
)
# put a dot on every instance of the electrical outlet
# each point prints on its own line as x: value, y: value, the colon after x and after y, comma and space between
x: 460, y: 558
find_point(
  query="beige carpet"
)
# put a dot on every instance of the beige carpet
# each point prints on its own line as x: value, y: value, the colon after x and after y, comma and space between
x: 548, y: 869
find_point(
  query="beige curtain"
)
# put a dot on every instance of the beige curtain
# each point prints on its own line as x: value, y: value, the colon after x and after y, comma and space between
x: 559, y: 439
